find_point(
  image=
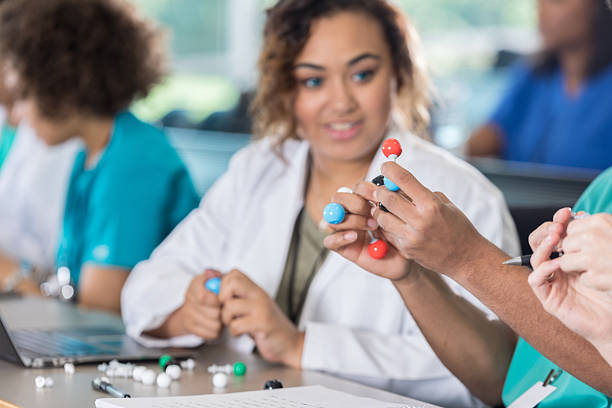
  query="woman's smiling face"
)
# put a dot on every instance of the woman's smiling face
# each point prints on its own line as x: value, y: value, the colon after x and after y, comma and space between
x: 345, y: 86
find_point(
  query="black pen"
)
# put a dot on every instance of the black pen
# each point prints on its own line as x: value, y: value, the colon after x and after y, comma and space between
x: 99, y: 385
x: 525, y: 260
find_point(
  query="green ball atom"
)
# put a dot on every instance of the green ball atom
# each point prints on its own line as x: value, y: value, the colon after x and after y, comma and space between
x: 163, y: 360
x: 239, y: 369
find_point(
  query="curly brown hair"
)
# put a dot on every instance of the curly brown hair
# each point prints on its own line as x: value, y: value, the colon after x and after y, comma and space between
x: 90, y: 56
x: 285, y: 34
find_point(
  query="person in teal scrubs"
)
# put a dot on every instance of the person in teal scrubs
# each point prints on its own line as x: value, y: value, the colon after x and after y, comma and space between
x: 76, y: 70
x: 528, y: 365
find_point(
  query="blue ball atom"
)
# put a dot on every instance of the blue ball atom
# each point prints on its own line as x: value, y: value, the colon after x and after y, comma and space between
x: 391, y: 185
x: 333, y: 213
x: 213, y: 284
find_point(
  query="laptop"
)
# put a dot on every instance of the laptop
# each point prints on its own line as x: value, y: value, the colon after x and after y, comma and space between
x: 32, y: 347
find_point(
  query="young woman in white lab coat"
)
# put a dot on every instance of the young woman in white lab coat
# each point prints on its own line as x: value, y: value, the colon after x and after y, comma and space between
x: 332, y: 74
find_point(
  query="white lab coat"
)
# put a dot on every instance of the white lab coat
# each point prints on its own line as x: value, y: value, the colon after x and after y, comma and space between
x: 33, y: 185
x: 356, y: 324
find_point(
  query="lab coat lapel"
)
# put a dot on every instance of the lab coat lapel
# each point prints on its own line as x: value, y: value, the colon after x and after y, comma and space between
x: 266, y: 263
x: 289, y: 190
x: 331, y: 269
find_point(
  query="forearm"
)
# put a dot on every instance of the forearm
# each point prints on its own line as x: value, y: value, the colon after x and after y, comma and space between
x: 12, y: 278
x: 475, y: 349
x: 100, y: 287
x: 8, y: 267
x: 505, y: 290
x: 171, y: 327
x: 484, y: 141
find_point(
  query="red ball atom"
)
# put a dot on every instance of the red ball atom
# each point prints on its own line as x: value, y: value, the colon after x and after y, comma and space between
x: 391, y: 148
x: 378, y: 249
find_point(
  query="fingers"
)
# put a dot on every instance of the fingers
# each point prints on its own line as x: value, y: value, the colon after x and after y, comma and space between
x: 211, y: 273
x: 206, y: 333
x: 205, y: 296
x: 592, y: 223
x: 242, y: 325
x: 563, y: 217
x: 204, y: 321
x: 353, y: 203
x: 210, y: 299
x: 202, y: 309
x: 442, y: 197
x: 591, y: 234
x: 539, y: 234
x: 574, y: 262
x: 355, y: 222
x: 540, y: 279
x: 578, y: 242
x: 543, y: 252
x: 358, y: 213
x: 198, y: 294
x: 338, y: 240
x: 366, y: 190
x: 236, y: 284
x: 558, y: 226
x: 390, y: 223
x: 397, y: 204
x: 406, y: 182
x: 235, y: 308
x: 208, y: 313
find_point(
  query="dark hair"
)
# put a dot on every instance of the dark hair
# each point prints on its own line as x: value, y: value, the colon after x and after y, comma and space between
x: 92, y: 56
x: 547, y: 62
x: 286, y: 32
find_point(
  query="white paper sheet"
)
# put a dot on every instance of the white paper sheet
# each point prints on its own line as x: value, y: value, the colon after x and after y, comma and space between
x: 297, y: 397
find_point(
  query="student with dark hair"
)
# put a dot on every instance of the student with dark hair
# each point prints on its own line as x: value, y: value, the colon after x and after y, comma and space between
x: 33, y: 182
x: 78, y: 65
x: 557, y: 107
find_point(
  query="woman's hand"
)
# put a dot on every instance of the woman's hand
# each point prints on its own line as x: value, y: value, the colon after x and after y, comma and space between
x: 351, y: 240
x: 200, y: 314
x: 247, y: 309
x: 425, y: 226
x: 557, y: 226
x: 577, y: 287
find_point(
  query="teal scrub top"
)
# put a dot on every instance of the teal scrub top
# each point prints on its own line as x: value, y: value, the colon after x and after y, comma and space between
x: 528, y: 366
x: 7, y: 137
x: 119, y: 210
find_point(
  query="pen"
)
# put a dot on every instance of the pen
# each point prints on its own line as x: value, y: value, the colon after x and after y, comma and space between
x: 99, y: 385
x: 525, y: 260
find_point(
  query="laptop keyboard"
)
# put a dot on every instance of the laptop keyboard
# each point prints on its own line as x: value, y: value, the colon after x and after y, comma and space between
x: 53, y: 344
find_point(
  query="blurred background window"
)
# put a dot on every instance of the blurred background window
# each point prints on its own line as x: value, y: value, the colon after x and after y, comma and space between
x: 214, y: 46
x: 469, y: 46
